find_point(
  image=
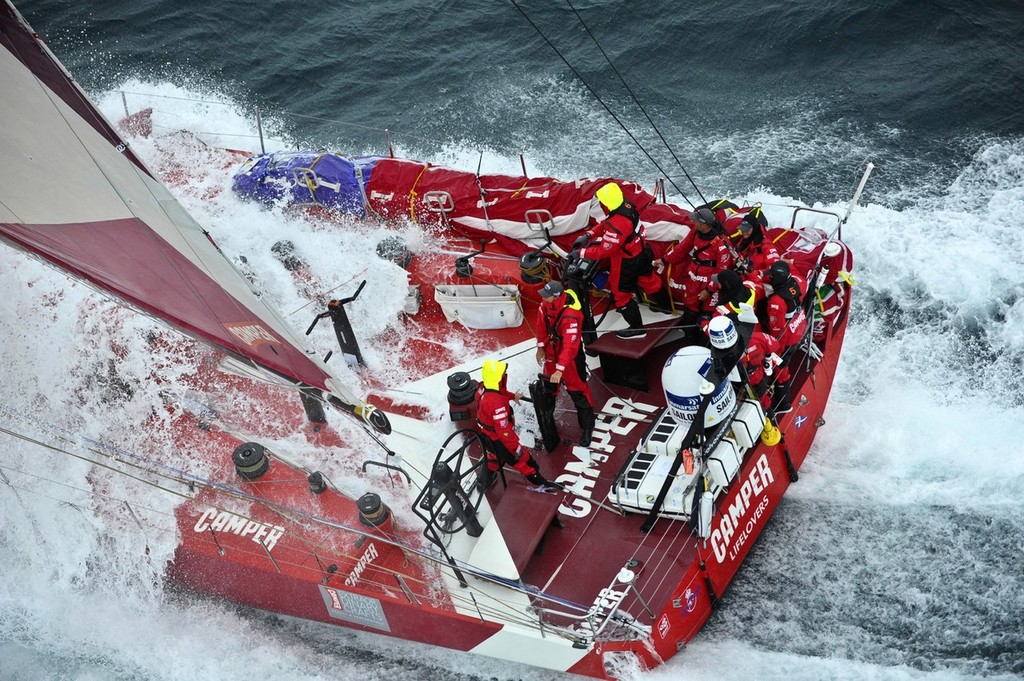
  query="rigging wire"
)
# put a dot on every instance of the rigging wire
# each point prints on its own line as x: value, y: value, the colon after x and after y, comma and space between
x: 611, y: 113
x: 636, y: 100
x: 294, y: 515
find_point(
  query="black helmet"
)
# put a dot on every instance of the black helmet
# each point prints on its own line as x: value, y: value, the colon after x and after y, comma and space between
x: 731, y: 286
x: 778, y: 274
x: 751, y: 228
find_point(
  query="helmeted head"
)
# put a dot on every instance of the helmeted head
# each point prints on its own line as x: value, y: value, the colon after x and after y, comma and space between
x: 730, y: 286
x: 492, y: 373
x: 703, y: 219
x: 778, y: 274
x: 610, y: 196
x: 722, y: 333
x: 750, y: 226
x: 551, y: 290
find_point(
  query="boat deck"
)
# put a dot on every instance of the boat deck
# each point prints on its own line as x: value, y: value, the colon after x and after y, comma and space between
x: 577, y: 555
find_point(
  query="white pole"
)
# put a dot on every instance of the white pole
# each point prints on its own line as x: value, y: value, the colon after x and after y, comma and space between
x: 856, y: 194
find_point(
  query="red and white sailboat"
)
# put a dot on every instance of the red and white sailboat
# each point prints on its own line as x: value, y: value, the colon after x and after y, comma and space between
x: 618, y: 568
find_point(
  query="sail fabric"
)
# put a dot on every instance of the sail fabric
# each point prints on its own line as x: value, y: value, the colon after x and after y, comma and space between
x: 71, y: 193
x: 482, y: 207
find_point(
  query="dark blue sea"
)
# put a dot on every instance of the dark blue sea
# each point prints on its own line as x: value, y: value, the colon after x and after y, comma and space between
x: 900, y: 553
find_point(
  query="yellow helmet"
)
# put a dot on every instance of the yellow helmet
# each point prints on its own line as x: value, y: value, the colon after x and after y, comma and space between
x: 610, y: 196
x: 492, y: 372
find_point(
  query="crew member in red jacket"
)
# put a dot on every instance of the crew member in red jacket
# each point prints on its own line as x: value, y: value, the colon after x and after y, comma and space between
x: 496, y: 423
x: 760, y: 359
x: 702, y: 254
x: 620, y: 237
x: 730, y: 292
x: 560, y: 347
x: 756, y: 253
x: 787, y: 322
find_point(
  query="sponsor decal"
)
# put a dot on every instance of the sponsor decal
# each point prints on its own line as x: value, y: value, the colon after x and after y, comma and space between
x: 252, y: 334
x: 800, y: 420
x: 364, y: 560
x: 223, y: 521
x: 663, y: 626
x: 684, y: 407
x: 355, y: 608
x: 739, y: 520
x: 687, y: 601
x: 616, y: 418
x: 690, y: 596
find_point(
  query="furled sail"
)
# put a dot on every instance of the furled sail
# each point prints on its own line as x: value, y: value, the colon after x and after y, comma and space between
x: 73, y: 194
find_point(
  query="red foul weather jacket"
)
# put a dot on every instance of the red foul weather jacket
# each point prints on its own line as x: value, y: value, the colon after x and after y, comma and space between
x: 495, y: 419
x: 786, y: 319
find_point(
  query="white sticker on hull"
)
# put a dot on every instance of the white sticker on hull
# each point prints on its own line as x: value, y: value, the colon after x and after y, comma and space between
x: 252, y: 334
x: 528, y: 646
x: 355, y: 608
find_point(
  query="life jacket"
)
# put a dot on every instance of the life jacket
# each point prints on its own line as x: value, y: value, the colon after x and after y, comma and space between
x: 572, y: 302
x: 728, y: 308
x: 557, y: 350
x: 696, y: 251
x: 791, y: 295
x: 629, y: 210
x: 484, y: 406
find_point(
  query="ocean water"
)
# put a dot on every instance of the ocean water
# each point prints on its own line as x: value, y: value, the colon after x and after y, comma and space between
x: 898, y: 555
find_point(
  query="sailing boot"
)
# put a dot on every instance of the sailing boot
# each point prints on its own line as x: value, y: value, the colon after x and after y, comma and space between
x: 488, y: 473
x: 584, y: 416
x: 485, y: 479
x: 631, y: 313
x: 660, y: 302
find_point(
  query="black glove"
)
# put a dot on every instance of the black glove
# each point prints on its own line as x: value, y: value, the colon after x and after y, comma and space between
x: 537, y: 478
x: 743, y: 265
x: 574, y: 254
x: 581, y: 241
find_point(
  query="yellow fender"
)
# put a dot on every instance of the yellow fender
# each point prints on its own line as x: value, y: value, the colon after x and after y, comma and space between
x: 771, y: 435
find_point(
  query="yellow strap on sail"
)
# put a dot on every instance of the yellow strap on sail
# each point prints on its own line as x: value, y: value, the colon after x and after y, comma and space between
x: 526, y: 181
x: 308, y: 176
x: 413, y: 194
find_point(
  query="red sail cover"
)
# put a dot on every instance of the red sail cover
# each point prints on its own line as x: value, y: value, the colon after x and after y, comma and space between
x: 488, y: 207
x: 72, y: 193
